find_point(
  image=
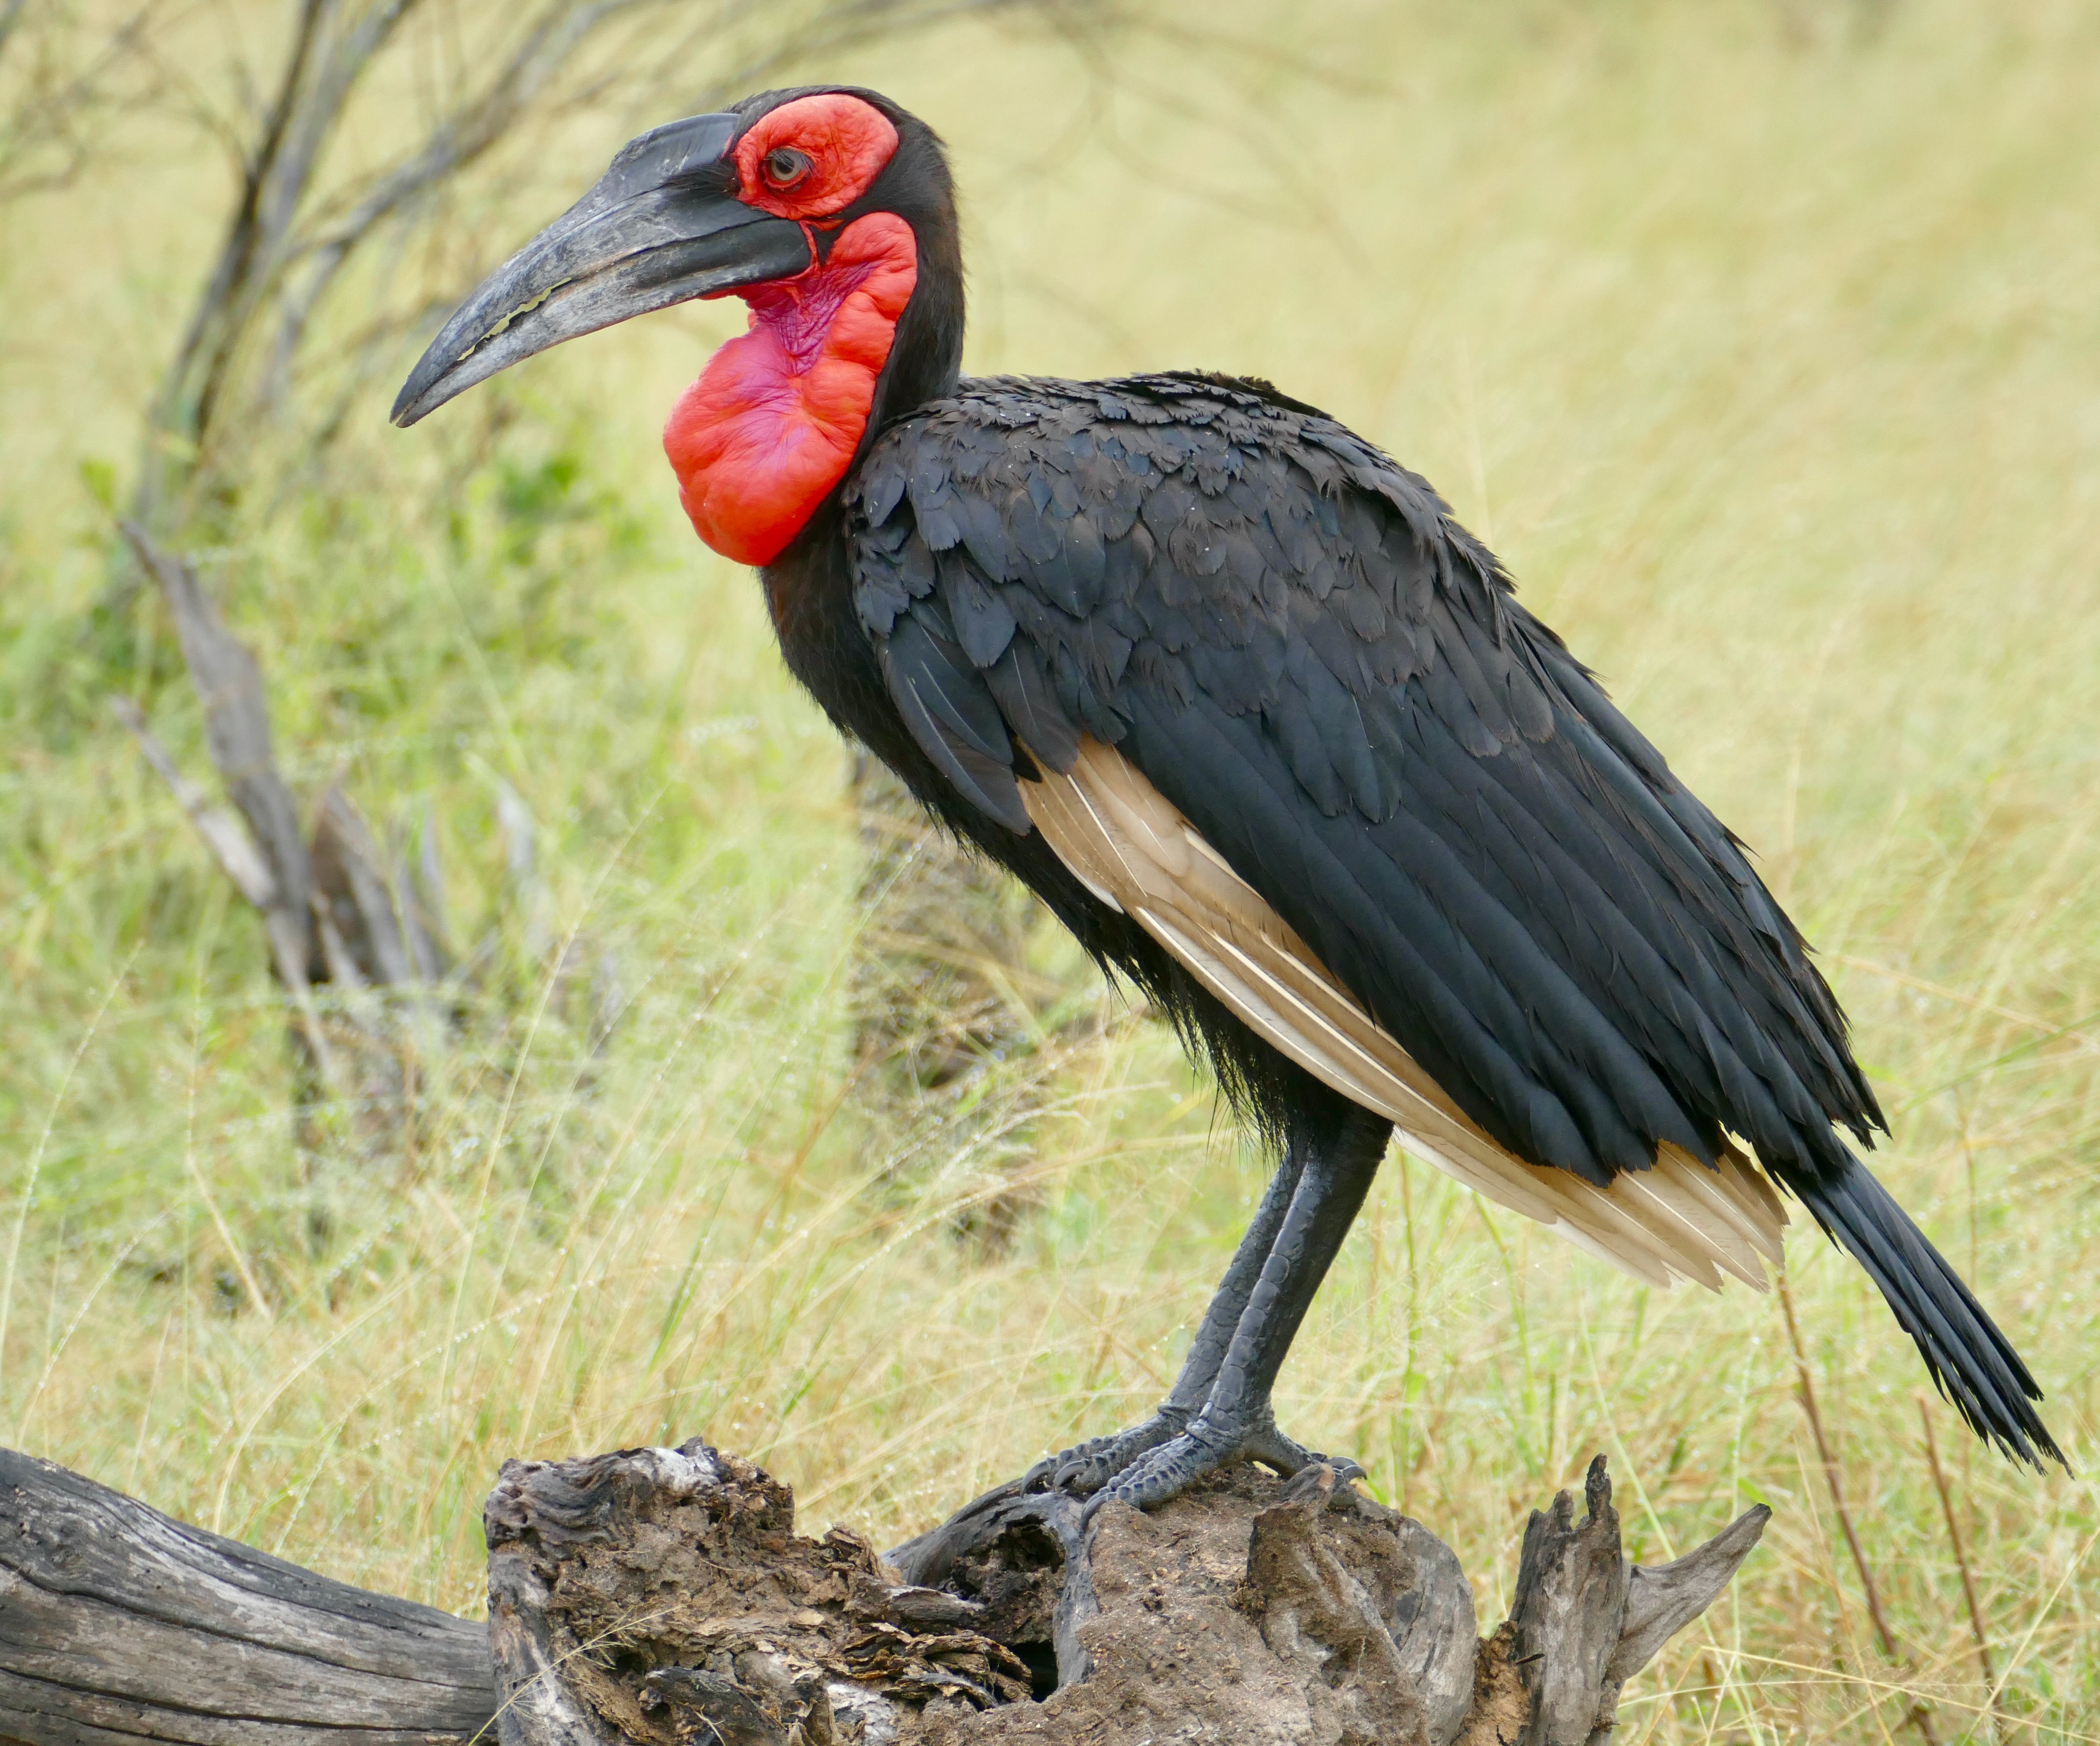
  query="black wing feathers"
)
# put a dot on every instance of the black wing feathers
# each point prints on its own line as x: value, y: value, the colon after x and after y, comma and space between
x: 1288, y: 635
x: 1557, y: 922
x: 953, y: 717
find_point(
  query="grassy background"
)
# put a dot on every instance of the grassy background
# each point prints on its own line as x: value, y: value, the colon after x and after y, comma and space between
x: 1761, y: 340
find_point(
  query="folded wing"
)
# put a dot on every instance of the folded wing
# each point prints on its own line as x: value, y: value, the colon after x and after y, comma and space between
x: 1134, y: 850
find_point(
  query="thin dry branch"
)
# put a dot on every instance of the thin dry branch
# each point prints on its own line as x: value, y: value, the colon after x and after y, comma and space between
x: 1918, y: 1716
x: 50, y: 112
x: 236, y: 715
x: 231, y: 847
x: 330, y: 911
x: 270, y: 866
x: 1960, y: 1552
x: 456, y: 141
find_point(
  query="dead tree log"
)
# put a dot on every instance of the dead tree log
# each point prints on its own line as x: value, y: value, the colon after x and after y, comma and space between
x: 662, y: 1597
x: 120, y: 1627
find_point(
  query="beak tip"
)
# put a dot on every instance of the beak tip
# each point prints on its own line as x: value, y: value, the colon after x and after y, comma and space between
x: 412, y: 401
x: 424, y: 392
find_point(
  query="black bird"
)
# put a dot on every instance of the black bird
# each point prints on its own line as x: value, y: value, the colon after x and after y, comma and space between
x: 1267, y: 729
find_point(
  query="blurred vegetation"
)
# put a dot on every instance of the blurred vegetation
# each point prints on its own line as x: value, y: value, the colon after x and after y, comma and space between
x: 950, y: 1000
x: 1759, y: 336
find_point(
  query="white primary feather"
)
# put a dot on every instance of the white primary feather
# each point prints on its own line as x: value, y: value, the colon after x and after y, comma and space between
x: 1130, y: 846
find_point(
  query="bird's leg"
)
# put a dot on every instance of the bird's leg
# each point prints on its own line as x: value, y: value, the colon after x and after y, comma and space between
x: 1087, y: 1466
x: 1236, y: 1423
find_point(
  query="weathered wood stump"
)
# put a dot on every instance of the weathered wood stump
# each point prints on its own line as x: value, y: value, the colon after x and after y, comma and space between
x: 662, y: 1597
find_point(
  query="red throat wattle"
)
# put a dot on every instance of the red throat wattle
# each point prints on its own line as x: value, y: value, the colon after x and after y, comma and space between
x: 771, y: 425
x: 772, y: 422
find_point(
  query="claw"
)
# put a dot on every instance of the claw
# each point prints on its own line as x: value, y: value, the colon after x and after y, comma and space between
x: 1151, y: 1462
x: 1164, y: 1472
x: 1087, y: 1466
x: 1168, y: 1469
x: 1270, y: 1446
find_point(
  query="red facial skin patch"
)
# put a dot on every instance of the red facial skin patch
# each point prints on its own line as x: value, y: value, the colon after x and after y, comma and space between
x: 843, y: 145
x: 772, y: 422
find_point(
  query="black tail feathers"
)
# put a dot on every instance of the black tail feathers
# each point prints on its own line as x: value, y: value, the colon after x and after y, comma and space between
x: 1973, y: 1364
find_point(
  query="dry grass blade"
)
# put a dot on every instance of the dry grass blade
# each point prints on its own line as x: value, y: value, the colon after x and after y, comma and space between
x: 1917, y: 1716
x: 1960, y: 1552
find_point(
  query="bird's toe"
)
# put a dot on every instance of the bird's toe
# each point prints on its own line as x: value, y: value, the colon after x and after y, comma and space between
x: 1086, y: 1467
x: 1168, y: 1469
x: 1164, y: 1472
x: 1286, y: 1455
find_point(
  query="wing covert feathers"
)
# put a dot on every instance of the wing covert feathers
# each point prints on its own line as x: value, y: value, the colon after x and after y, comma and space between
x: 1134, y: 850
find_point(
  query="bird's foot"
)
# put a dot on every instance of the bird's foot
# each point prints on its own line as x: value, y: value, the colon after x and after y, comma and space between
x: 1167, y: 1468
x: 1086, y: 1467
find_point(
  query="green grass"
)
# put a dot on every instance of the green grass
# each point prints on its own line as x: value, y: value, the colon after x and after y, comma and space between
x: 1761, y: 340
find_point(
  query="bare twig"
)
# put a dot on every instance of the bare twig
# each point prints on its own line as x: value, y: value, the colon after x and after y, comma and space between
x: 1918, y: 1716
x: 44, y: 130
x: 456, y: 141
x: 242, y: 863
x: 275, y: 171
x: 349, y: 881
x: 230, y: 845
x: 269, y: 866
x: 1960, y: 1552
x: 236, y: 715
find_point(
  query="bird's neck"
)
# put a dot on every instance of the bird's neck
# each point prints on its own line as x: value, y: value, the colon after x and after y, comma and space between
x: 768, y: 431
x: 926, y: 363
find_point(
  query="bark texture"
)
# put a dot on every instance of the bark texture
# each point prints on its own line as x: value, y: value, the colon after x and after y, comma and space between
x: 118, y: 1626
x: 662, y: 1597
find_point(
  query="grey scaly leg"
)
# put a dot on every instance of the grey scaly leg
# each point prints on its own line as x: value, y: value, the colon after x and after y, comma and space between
x: 1086, y: 1466
x: 1338, y: 1161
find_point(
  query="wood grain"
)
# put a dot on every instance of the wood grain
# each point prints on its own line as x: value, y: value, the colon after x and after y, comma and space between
x: 118, y: 1625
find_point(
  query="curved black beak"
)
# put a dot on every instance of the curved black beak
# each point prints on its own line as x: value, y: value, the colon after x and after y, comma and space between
x: 660, y: 228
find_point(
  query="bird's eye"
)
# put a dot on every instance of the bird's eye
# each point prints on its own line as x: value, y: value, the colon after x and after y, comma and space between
x: 784, y: 166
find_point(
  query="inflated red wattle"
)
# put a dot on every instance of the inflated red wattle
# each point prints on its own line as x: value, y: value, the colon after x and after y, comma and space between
x: 771, y: 425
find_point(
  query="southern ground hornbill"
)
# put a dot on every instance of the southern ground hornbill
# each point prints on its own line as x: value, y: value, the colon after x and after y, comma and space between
x: 1268, y: 731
